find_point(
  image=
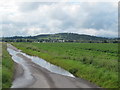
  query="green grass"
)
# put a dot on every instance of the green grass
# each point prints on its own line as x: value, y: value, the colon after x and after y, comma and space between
x: 7, y: 68
x: 95, y: 62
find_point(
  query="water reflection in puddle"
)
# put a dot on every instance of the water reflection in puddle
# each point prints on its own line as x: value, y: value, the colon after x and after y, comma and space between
x: 26, y: 77
x: 42, y: 63
x: 48, y: 66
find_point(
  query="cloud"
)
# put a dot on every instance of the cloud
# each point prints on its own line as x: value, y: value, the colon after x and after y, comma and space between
x: 102, y: 16
x: 100, y: 33
x: 32, y: 18
x: 26, y: 7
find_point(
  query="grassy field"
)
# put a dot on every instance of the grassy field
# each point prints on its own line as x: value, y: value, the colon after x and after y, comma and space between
x: 96, y: 62
x: 7, y: 68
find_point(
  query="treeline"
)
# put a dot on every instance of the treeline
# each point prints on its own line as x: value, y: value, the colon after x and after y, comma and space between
x: 60, y: 40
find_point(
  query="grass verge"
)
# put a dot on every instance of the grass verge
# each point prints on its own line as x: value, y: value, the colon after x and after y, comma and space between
x: 7, y: 68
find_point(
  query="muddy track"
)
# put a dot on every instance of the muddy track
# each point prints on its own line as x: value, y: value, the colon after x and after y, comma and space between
x: 30, y: 75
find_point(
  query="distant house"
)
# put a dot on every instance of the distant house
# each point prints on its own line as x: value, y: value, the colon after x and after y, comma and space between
x: 43, y: 41
x: 61, y: 40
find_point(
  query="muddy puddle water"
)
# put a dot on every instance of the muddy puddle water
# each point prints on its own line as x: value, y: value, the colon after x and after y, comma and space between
x: 48, y: 66
x: 26, y: 77
x: 38, y: 61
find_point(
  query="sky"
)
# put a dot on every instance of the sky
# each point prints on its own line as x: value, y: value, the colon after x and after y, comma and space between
x: 35, y: 18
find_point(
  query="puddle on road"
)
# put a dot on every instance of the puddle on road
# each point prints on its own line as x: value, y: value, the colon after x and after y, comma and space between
x: 49, y: 66
x: 41, y: 62
x: 26, y: 77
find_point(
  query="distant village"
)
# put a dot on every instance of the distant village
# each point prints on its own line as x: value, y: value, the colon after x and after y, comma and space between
x: 60, y: 40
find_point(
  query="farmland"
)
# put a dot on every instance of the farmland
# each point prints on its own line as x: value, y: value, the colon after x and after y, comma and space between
x: 96, y: 62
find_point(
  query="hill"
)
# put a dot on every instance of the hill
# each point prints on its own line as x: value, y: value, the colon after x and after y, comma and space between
x: 69, y: 36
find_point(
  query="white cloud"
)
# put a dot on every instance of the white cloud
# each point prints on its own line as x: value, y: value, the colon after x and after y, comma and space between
x: 33, y: 31
x: 106, y: 33
x: 84, y: 18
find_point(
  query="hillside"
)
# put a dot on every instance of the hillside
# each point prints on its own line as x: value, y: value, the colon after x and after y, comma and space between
x: 68, y: 36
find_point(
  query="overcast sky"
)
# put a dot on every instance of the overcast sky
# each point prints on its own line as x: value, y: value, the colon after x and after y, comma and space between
x: 34, y: 18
